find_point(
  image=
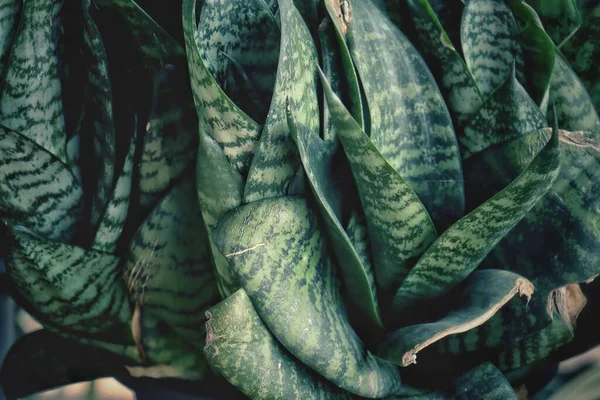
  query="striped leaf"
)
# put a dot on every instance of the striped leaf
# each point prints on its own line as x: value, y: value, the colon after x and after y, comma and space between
x: 482, y: 295
x: 507, y: 114
x: 36, y: 189
x: 400, y: 228
x: 242, y: 349
x: 560, y: 17
x: 112, y: 221
x: 454, y: 78
x: 77, y: 289
x: 582, y: 49
x: 565, y: 219
x: 490, y: 43
x: 42, y: 360
x: 409, y: 123
x: 98, y: 124
x: 235, y: 131
x: 456, y: 253
x: 276, y: 160
x: 484, y: 382
x: 275, y: 248
x: 30, y: 98
x: 168, y: 266
x: 535, y: 347
x: 10, y: 12
x: 574, y: 106
x: 318, y: 159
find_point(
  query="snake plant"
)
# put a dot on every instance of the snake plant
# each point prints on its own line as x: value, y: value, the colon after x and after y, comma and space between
x: 300, y: 198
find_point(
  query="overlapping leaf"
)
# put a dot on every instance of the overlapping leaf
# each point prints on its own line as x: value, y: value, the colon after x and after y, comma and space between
x: 409, y: 122
x: 560, y: 17
x: 275, y: 248
x: 484, y: 381
x: 243, y: 350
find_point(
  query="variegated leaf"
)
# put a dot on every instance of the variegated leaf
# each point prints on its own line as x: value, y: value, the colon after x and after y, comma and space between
x: 409, y: 122
x: 242, y: 349
x: 484, y: 382
x: 275, y: 248
x: 457, y: 252
x: 10, y: 12
x: 560, y: 17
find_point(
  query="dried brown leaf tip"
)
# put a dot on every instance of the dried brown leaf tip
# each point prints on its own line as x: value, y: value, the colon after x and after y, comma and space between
x: 343, y: 12
x: 568, y: 301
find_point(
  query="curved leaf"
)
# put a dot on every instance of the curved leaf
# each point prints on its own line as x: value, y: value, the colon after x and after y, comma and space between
x: 484, y: 382
x: 409, y: 122
x: 168, y: 265
x: 483, y: 294
x: 30, y: 98
x: 235, y: 131
x: 36, y: 189
x: 490, y: 43
x: 275, y: 248
x: 276, y: 160
x: 10, y: 12
x: 456, y: 82
x: 400, y: 229
x: 507, y: 114
x: 76, y: 289
x: 455, y: 254
x: 242, y: 349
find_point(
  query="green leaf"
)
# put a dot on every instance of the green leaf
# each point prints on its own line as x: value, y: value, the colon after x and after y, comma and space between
x: 168, y: 265
x: 582, y: 49
x: 574, y: 107
x: 243, y: 36
x: 507, y: 114
x: 242, y: 349
x: 275, y: 248
x: 98, y: 118
x: 235, y: 131
x: 535, y: 347
x: 30, y: 98
x: 318, y: 159
x: 484, y: 382
x: 42, y: 360
x: 456, y: 253
x: 490, y: 43
x: 456, y: 82
x: 482, y: 295
x: 112, y: 221
x: 10, y: 13
x: 276, y: 160
x: 36, y: 189
x: 400, y: 229
x: 410, y: 124
x: 560, y: 17
x: 77, y: 289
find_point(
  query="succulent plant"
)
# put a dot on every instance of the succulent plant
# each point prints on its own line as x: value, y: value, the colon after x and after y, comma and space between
x: 300, y: 199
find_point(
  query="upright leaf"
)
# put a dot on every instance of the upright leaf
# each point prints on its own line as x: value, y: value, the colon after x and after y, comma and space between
x: 409, y: 122
x: 560, y: 17
x: 243, y: 350
x: 36, y: 189
x: 30, y: 97
x: 10, y: 11
x: 276, y: 160
x: 234, y: 130
x: 275, y: 248
x: 457, y: 252
x: 483, y: 294
x: 490, y: 43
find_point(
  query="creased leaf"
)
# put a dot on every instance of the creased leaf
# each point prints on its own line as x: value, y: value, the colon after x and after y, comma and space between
x: 36, y: 189
x: 276, y: 159
x: 400, y: 229
x: 409, y: 122
x: 490, y: 43
x: 484, y: 382
x: 483, y: 294
x: 457, y: 252
x: 243, y: 350
x: 235, y: 131
x: 275, y: 248
x: 30, y: 98
x: 78, y: 289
